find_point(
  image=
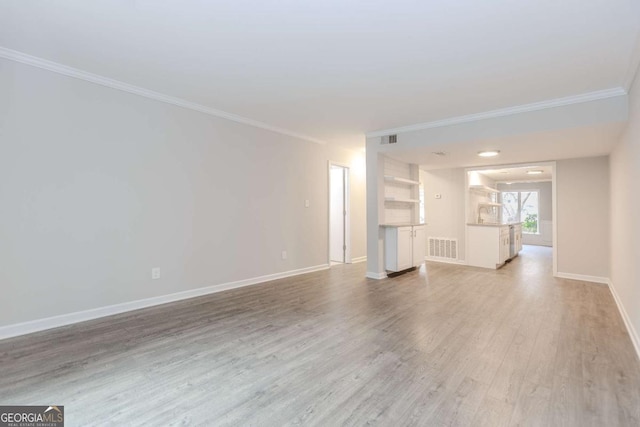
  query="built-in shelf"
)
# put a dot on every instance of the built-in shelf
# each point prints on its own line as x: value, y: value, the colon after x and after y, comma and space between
x: 397, y: 199
x: 390, y: 178
x: 483, y: 189
x: 490, y: 204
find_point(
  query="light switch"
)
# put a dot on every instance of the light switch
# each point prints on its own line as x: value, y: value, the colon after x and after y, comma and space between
x: 306, y: 203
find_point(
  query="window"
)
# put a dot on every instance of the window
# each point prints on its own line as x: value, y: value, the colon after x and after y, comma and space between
x: 521, y: 206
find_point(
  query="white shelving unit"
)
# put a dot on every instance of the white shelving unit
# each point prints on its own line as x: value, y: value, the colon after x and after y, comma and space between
x: 390, y: 178
x: 483, y: 204
x: 401, y: 195
x: 401, y: 200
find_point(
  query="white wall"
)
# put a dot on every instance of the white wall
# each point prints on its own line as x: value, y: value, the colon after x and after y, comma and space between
x: 545, y: 206
x: 625, y: 229
x: 445, y: 217
x: 582, y: 187
x: 98, y: 186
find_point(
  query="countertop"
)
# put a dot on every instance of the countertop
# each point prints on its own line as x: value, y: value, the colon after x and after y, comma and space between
x: 401, y: 224
x: 489, y: 224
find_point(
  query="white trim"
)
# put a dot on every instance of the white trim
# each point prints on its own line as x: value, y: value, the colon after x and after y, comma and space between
x: 625, y: 317
x: 34, y: 61
x: 376, y: 276
x: 554, y: 219
x: 445, y: 261
x: 536, y: 106
x: 358, y: 259
x: 347, y: 207
x: 583, y: 277
x: 81, y: 316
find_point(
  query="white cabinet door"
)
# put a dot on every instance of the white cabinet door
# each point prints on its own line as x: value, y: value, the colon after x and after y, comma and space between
x: 419, y: 245
x: 518, y: 234
x: 504, y: 244
x: 405, y: 248
x: 398, y: 242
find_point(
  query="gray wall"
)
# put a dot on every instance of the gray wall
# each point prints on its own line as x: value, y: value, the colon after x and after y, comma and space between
x: 98, y: 186
x: 582, y: 187
x: 445, y: 217
x: 625, y: 229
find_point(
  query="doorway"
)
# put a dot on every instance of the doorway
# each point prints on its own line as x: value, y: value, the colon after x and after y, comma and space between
x: 339, y: 242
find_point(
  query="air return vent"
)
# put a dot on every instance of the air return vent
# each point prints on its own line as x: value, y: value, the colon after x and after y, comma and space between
x: 443, y: 247
x: 389, y: 139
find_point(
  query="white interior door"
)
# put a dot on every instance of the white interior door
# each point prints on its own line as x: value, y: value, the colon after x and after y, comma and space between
x: 337, y: 209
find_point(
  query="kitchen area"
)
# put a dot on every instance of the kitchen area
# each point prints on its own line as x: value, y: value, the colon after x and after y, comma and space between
x: 479, y: 217
x: 492, y: 240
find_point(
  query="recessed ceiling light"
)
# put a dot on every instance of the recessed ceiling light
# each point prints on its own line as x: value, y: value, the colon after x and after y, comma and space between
x: 536, y: 172
x: 490, y: 153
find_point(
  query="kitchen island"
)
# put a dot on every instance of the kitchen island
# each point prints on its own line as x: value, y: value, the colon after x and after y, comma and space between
x: 491, y: 245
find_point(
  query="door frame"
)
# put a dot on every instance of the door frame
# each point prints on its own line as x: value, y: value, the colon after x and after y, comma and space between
x: 347, y: 208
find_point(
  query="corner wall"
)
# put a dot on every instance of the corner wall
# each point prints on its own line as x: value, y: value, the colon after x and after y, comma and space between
x: 624, y: 226
x: 98, y: 186
x: 445, y: 217
x: 582, y: 198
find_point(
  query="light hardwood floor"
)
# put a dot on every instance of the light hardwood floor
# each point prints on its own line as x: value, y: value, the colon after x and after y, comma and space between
x: 456, y: 346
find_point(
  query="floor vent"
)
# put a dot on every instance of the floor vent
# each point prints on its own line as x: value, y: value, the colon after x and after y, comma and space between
x: 443, y: 247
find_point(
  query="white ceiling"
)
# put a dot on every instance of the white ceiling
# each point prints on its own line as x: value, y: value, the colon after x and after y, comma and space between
x: 335, y: 69
x: 519, y: 174
x: 589, y: 141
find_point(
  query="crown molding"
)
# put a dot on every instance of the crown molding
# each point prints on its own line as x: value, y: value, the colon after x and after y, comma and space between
x: 536, y: 106
x: 16, y: 56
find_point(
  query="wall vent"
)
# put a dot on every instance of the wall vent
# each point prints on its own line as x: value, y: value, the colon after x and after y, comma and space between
x: 443, y: 247
x: 389, y: 139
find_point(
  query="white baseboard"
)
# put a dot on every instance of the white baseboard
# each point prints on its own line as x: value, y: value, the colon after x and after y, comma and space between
x: 446, y: 261
x: 376, y: 276
x: 358, y: 259
x: 627, y: 321
x: 583, y: 277
x: 81, y: 316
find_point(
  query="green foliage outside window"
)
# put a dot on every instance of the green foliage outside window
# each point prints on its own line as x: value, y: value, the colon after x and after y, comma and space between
x: 530, y: 224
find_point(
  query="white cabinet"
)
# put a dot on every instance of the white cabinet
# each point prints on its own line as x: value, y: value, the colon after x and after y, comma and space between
x: 517, y: 232
x: 487, y: 246
x: 404, y: 247
x: 505, y: 242
x: 419, y: 245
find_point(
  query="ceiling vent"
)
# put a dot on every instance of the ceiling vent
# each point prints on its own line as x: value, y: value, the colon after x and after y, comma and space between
x: 389, y: 139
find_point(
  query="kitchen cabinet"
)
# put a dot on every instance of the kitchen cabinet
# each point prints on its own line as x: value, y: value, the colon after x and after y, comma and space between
x: 488, y: 245
x: 505, y: 242
x: 518, y: 236
x: 405, y: 246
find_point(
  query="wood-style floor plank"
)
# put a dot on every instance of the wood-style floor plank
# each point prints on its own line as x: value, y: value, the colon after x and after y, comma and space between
x: 455, y: 346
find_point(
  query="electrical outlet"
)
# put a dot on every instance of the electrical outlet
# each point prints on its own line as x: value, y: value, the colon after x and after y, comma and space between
x: 284, y: 254
x: 155, y: 273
